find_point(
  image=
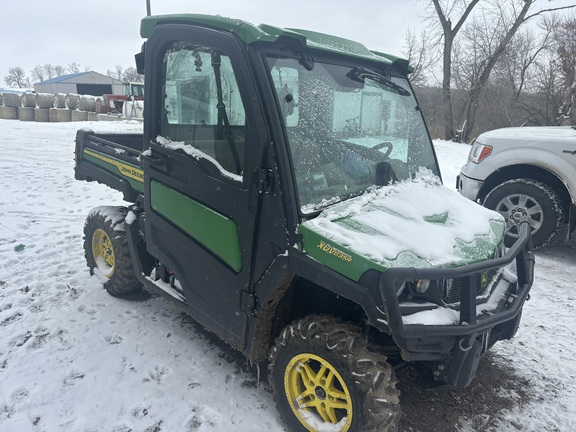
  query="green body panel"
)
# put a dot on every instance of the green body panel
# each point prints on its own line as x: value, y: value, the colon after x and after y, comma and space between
x: 133, y: 174
x: 334, y: 256
x: 216, y: 232
x: 249, y: 33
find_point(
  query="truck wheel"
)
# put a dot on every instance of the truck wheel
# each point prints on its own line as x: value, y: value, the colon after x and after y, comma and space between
x: 106, y: 250
x: 519, y: 197
x: 325, y: 376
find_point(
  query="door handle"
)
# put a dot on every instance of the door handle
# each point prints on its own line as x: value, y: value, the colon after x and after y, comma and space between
x: 155, y: 161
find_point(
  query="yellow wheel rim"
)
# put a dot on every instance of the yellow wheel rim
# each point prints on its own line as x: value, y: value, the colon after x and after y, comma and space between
x: 317, y: 393
x: 103, y: 252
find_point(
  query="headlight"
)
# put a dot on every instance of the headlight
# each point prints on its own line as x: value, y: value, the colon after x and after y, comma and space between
x: 479, y: 152
x: 421, y: 285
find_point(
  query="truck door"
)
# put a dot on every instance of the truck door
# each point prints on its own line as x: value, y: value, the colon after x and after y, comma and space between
x: 205, y: 142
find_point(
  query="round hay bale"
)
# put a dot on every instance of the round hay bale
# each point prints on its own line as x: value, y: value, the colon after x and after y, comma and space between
x: 11, y: 100
x: 52, y: 115
x: 100, y: 108
x: 44, y: 100
x: 41, y: 114
x: 133, y: 109
x: 26, y: 113
x: 87, y: 103
x: 1, y: 96
x: 63, y: 115
x: 70, y: 101
x: 28, y: 100
x: 92, y: 116
x: 9, y: 113
x: 79, y: 115
x: 59, y: 100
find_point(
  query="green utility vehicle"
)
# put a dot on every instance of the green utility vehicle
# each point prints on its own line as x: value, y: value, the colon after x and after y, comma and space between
x: 285, y: 193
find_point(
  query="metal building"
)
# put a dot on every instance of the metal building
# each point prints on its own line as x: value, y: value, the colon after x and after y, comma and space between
x: 85, y: 83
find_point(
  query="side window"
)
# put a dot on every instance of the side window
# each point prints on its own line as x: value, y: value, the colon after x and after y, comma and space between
x: 286, y: 85
x: 202, y: 106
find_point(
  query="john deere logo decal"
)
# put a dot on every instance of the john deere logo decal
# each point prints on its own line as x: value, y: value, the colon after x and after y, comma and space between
x: 325, y: 247
x: 124, y: 169
x: 484, y: 280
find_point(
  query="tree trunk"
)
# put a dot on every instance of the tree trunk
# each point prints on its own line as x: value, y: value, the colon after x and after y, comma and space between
x: 449, y: 34
x: 446, y: 92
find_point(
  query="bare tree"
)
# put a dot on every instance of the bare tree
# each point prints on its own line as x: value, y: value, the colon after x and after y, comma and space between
x: 73, y: 67
x: 49, y: 71
x: 116, y: 73
x: 449, y: 32
x: 38, y: 73
x: 417, y: 52
x: 565, y: 40
x: 59, y: 70
x: 496, y: 22
x: 131, y: 75
x: 16, y: 78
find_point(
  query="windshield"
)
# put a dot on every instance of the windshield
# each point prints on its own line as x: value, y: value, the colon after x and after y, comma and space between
x: 349, y: 128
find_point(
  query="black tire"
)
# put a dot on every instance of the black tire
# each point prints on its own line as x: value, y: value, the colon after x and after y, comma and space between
x: 518, y: 197
x: 106, y: 250
x: 349, y: 382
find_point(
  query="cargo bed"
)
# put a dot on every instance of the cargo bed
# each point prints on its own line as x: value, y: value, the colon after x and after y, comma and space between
x: 112, y: 159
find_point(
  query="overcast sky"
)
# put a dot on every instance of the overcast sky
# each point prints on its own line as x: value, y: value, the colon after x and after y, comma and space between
x: 101, y: 34
x: 105, y: 33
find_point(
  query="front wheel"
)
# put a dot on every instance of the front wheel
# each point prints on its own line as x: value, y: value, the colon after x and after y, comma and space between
x: 325, y: 376
x: 523, y: 197
x: 106, y: 250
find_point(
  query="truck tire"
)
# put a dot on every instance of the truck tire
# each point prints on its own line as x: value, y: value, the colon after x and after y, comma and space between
x: 106, y: 250
x: 339, y: 380
x: 518, y: 197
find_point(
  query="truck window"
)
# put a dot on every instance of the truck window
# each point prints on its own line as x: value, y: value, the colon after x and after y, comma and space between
x: 202, y: 104
x: 349, y: 129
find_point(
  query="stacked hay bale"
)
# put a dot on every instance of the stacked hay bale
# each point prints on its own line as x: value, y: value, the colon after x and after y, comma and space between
x: 10, y: 104
x: 47, y: 107
x: 26, y: 108
x: 43, y: 104
x: 59, y: 112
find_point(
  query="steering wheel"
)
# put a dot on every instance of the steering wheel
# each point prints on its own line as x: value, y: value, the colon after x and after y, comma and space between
x: 386, y: 144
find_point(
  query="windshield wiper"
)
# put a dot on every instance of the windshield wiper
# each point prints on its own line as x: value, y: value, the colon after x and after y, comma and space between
x: 360, y: 73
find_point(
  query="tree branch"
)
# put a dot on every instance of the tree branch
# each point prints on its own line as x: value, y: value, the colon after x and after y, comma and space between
x: 548, y: 10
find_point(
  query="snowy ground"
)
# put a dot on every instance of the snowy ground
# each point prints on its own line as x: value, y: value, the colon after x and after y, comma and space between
x: 72, y: 358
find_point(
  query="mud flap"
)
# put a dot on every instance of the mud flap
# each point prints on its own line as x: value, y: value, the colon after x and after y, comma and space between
x: 464, y: 364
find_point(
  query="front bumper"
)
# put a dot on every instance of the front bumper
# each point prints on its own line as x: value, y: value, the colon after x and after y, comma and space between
x: 468, y: 187
x: 457, y: 347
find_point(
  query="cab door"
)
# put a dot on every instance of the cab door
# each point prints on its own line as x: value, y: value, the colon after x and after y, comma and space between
x: 206, y: 138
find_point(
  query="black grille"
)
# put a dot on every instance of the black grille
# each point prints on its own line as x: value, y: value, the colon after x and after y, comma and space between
x: 452, y: 288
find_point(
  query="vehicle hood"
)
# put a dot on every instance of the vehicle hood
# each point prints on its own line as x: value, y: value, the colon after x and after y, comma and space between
x: 526, y: 136
x: 414, y: 223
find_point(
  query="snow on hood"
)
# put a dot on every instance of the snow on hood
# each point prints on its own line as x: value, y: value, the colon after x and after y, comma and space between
x: 416, y: 222
x: 532, y: 135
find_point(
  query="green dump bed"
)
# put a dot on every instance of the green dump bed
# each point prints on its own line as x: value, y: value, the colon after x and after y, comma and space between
x: 112, y: 159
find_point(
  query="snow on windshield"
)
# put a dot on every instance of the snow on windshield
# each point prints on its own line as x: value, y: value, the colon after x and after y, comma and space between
x: 415, y: 223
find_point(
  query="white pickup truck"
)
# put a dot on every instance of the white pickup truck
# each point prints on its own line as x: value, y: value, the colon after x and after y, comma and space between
x: 525, y: 170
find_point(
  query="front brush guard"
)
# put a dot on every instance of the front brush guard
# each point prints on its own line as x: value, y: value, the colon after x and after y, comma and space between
x: 469, y: 327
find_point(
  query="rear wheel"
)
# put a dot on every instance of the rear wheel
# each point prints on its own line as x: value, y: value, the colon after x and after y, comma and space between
x: 523, y: 197
x: 325, y: 376
x: 106, y: 250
